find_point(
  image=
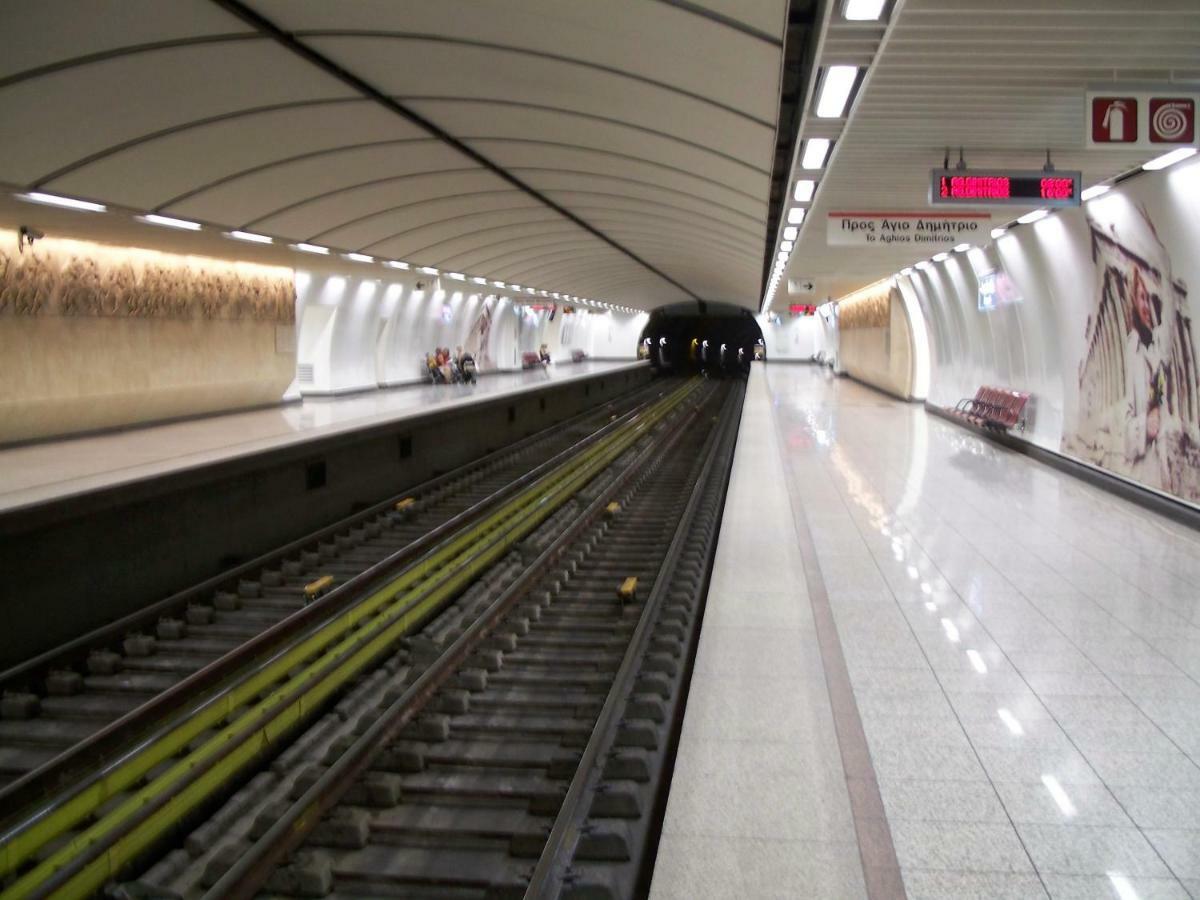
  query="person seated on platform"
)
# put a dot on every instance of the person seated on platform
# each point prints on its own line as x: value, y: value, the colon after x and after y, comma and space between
x: 443, y: 364
x: 435, y: 373
x: 466, y: 366
x: 544, y: 355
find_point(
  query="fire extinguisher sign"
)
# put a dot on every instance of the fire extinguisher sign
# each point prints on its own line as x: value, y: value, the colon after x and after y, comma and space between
x: 1141, y: 120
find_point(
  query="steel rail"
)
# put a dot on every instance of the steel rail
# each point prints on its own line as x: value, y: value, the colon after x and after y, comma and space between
x: 73, y: 651
x: 247, y: 876
x: 347, y: 645
x: 45, y: 783
x: 550, y: 874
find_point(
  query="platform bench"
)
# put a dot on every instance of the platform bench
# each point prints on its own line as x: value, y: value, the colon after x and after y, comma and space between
x: 995, y: 408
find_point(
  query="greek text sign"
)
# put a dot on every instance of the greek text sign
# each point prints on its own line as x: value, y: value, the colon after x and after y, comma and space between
x: 911, y: 229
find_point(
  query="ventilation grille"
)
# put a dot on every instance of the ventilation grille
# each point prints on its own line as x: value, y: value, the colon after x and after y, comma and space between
x: 304, y: 371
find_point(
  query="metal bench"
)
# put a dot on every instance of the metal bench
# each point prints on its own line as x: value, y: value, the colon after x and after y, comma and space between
x: 995, y: 408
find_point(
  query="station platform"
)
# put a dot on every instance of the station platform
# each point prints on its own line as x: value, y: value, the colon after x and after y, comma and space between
x: 935, y: 668
x: 49, y: 471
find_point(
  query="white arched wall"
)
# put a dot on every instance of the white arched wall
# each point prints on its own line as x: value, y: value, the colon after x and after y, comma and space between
x: 793, y: 338
x: 1051, y: 332
x: 360, y: 332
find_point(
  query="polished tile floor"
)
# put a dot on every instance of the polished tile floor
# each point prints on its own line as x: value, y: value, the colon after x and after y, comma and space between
x: 37, y: 473
x: 1023, y: 649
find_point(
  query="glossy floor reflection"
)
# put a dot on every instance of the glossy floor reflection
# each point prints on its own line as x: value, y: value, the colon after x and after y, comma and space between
x: 40, y: 472
x: 1024, y: 649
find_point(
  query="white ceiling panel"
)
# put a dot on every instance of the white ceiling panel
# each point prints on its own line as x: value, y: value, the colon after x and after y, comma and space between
x: 267, y: 193
x: 161, y: 171
x: 648, y: 40
x: 417, y: 69
x: 58, y: 118
x: 1003, y: 79
x: 624, y: 149
x: 51, y: 32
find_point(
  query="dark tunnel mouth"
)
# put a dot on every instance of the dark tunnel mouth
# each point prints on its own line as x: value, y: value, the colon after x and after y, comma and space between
x: 704, y: 342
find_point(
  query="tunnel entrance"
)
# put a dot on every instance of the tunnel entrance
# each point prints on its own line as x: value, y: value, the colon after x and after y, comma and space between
x: 715, y: 339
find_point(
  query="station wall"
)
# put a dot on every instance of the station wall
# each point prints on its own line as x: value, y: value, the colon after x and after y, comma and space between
x: 798, y: 338
x: 359, y: 333
x: 876, y: 342
x: 94, y: 336
x: 1093, y: 312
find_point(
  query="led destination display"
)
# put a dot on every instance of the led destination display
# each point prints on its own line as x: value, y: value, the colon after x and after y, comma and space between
x: 959, y: 187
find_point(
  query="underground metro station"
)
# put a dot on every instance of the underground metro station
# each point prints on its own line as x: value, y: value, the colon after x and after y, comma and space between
x: 679, y: 449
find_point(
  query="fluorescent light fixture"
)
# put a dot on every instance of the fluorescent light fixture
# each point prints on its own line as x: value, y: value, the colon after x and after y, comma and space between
x: 835, y: 91
x: 796, y: 215
x: 65, y: 202
x: 924, y: 265
x: 1167, y: 159
x: 815, y: 151
x: 977, y: 662
x: 926, y: 587
x: 311, y: 248
x: 786, y: 245
x: 360, y: 257
x: 781, y: 255
x: 515, y: 287
x: 863, y: 10
x: 789, y: 233
x: 1031, y: 217
x: 543, y: 293
x: 1096, y: 190
x: 804, y: 190
x: 941, y: 257
x: 931, y: 606
x: 252, y: 237
x: 479, y: 280
x: 1010, y: 721
x: 396, y: 264
x: 498, y: 284
x: 428, y: 270
x: 951, y: 630
x: 169, y: 222
x: 913, y: 573
x: 457, y: 276
x: 907, y: 270
x: 1060, y: 796
x: 962, y: 248
x: 998, y: 233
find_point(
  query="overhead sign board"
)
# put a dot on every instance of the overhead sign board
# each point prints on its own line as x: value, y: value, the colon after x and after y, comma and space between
x: 901, y: 229
x: 1003, y: 187
x: 800, y: 285
x: 1141, y: 120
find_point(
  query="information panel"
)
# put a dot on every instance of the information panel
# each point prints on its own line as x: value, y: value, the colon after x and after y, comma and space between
x: 1003, y: 187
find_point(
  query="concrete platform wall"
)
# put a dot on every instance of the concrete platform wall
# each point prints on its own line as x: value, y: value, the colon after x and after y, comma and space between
x: 76, y: 564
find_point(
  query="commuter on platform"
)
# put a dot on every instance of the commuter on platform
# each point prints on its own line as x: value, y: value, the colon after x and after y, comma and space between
x: 544, y: 355
x: 466, y: 365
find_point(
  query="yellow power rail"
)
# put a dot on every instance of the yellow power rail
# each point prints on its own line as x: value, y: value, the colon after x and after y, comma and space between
x: 251, y: 716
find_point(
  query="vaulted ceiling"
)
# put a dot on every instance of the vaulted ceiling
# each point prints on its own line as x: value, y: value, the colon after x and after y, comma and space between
x: 620, y: 149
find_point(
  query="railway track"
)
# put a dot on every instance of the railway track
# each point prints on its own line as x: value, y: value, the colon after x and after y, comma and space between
x: 69, y: 699
x: 100, y: 828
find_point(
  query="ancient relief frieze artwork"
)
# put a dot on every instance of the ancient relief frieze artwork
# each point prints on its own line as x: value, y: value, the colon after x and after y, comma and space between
x: 1139, y: 397
x: 867, y: 310
x: 63, y: 279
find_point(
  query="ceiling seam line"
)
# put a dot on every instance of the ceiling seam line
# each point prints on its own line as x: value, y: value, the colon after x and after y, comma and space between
x: 506, y: 48
x: 264, y: 25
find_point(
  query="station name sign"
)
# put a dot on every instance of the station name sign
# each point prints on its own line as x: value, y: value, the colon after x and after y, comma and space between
x: 901, y: 229
x: 1003, y: 187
